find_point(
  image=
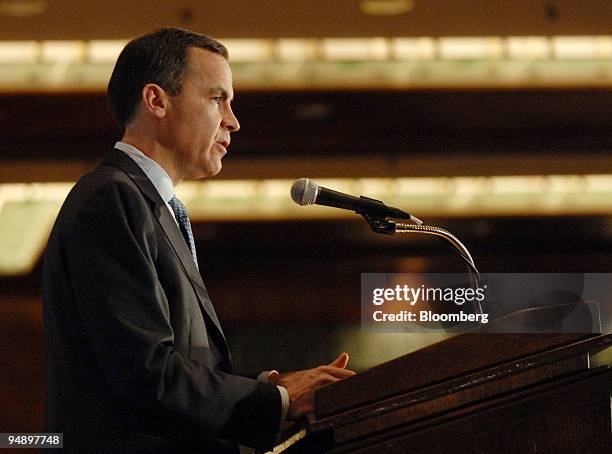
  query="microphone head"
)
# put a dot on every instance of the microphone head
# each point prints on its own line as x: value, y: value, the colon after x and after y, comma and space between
x: 304, y: 191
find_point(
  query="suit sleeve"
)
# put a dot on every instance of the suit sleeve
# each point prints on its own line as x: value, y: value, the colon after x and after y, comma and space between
x: 123, y: 313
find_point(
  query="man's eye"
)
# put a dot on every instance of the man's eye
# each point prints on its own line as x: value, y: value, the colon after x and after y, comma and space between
x: 218, y: 99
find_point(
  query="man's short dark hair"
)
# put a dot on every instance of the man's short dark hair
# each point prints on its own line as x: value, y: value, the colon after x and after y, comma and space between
x: 161, y: 58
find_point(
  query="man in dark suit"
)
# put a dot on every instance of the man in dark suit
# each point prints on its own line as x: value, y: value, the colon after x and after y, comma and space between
x: 136, y: 358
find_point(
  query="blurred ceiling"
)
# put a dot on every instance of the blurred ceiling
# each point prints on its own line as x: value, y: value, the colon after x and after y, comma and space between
x: 440, y: 89
x: 478, y: 112
x: 114, y: 19
x: 465, y: 132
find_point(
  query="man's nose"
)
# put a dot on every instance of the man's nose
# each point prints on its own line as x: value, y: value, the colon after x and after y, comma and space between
x: 231, y: 122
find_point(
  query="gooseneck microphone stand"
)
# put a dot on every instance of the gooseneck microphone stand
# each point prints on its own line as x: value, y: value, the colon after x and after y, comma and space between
x: 388, y: 226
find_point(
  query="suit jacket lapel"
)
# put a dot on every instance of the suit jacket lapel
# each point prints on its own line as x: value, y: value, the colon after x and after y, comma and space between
x: 119, y: 159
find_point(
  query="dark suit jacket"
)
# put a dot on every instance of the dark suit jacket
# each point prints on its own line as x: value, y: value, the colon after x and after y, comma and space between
x: 136, y: 358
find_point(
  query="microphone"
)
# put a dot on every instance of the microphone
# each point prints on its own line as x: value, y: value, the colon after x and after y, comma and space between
x: 307, y: 192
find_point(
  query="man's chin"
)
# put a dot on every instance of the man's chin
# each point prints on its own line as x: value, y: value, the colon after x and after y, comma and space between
x: 211, y: 171
x: 216, y: 171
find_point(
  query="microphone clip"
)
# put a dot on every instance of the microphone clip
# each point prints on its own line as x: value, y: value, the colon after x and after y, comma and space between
x: 378, y: 215
x: 379, y: 224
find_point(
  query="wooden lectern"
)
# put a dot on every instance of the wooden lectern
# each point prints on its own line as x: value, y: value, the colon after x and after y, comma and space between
x: 477, y: 392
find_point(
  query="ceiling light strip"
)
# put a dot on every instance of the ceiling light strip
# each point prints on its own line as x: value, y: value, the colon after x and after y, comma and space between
x: 268, y: 200
x: 423, y: 62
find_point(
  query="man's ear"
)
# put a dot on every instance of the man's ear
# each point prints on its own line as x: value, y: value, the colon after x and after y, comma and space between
x: 155, y: 100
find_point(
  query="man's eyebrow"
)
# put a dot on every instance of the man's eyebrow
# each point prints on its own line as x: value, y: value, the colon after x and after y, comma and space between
x: 222, y: 91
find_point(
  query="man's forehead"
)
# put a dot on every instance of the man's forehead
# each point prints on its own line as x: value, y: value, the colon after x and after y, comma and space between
x: 212, y: 68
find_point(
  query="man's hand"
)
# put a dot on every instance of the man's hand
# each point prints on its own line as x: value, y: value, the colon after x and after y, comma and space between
x: 301, y: 385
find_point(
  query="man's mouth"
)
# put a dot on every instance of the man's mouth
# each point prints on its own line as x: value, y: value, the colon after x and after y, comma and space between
x: 224, y: 144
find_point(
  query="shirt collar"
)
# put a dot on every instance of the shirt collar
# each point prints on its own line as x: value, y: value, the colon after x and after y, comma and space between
x: 156, y: 173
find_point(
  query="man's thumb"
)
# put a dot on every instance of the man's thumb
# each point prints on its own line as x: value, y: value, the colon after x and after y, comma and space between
x: 341, y: 361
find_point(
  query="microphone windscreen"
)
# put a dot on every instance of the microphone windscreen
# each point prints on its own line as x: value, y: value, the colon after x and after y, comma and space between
x: 304, y: 191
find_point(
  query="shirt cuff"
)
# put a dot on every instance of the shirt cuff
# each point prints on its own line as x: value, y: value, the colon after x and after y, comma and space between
x: 285, y: 402
x: 264, y: 378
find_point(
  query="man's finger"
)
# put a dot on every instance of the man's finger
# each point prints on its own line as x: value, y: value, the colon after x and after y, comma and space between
x: 341, y: 361
x: 337, y: 372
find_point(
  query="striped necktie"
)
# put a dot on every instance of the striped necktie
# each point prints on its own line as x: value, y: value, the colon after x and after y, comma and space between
x: 182, y: 218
